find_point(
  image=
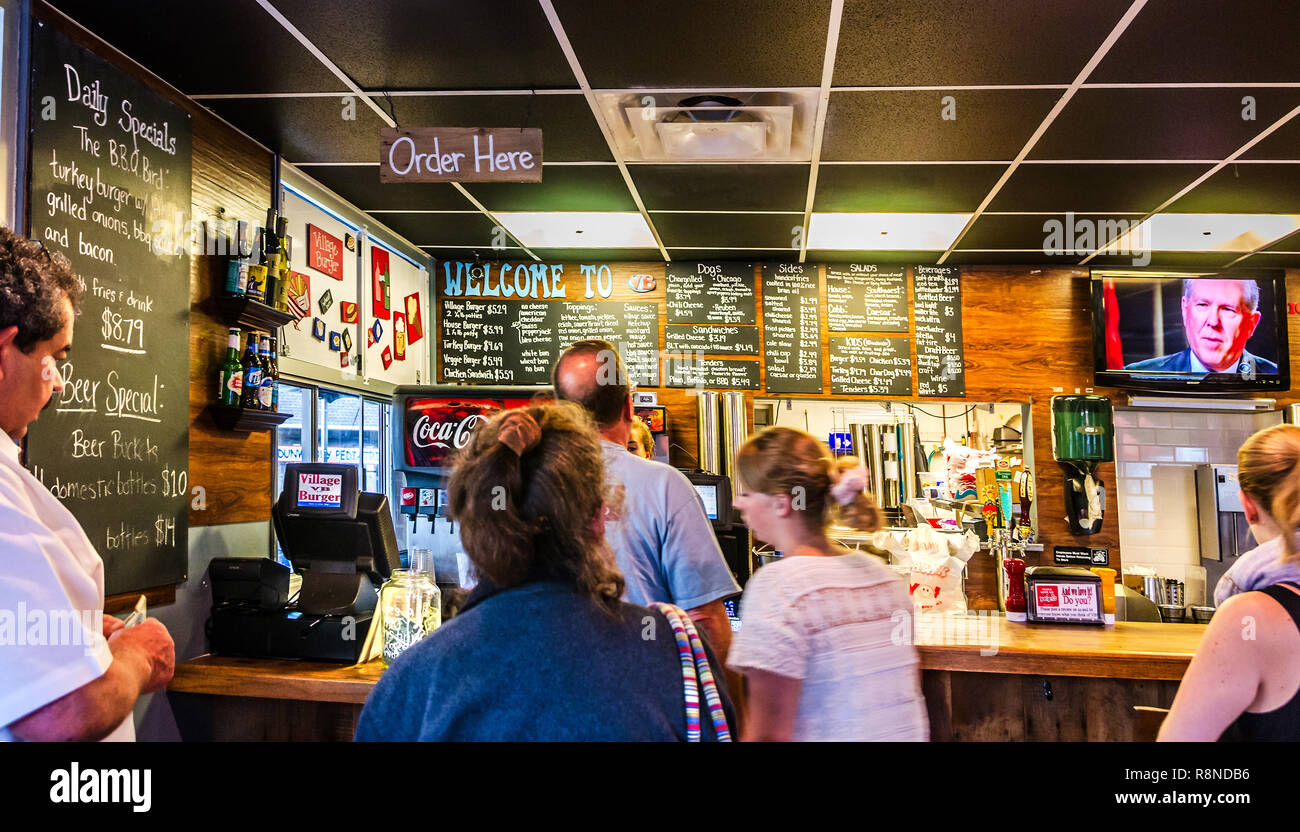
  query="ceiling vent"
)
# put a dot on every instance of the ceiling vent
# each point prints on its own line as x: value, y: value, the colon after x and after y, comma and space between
x: 774, y: 126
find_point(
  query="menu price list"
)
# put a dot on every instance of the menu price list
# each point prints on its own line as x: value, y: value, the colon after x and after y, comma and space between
x: 940, y: 359
x: 517, y: 342
x: 863, y: 297
x: 738, y: 340
x: 711, y: 373
x: 866, y: 366
x: 711, y: 293
x: 791, y: 328
x: 110, y: 189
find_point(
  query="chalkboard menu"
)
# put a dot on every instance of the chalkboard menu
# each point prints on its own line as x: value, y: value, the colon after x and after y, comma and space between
x: 792, y: 357
x: 517, y: 342
x: 711, y: 293
x: 863, y: 297
x: 740, y: 340
x: 110, y: 188
x: 870, y: 366
x: 939, y: 357
x: 711, y: 373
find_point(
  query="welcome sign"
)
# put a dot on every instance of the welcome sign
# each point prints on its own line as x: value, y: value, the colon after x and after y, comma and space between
x: 460, y: 154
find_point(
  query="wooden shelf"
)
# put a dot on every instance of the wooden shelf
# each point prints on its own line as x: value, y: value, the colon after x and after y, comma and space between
x: 246, y: 420
x: 250, y: 313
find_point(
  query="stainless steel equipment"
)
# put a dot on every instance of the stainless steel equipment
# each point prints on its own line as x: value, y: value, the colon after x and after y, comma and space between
x: 735, y: 430
x: 707, y: 431
x: 1224, y: 532
x: 907, y: 460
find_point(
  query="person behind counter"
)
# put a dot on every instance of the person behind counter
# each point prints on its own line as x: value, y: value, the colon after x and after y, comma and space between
x: 1242, y: 683
x: 543, y: 648
x: 640, y: 442
x: 85, y: 686
x: 818, y: 640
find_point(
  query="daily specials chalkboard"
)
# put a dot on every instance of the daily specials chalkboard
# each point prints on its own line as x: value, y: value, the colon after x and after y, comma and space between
x: 711, y: 293
x: 862, y: 297
x: 711, y: 373
x: 792, y: 358
x: 870, y: 366
x: 939, y: 355
x: 110, y: 188
x: 517, y: 342
x: 739, y: 340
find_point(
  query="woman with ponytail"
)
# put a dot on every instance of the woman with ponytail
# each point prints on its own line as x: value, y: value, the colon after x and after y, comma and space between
x: 825, y: 642
x: 1244, y: 682
x: 543, y: 649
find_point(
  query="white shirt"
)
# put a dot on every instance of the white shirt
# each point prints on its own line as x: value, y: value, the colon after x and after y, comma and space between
x: 51, y: 599
x: 843, y: 626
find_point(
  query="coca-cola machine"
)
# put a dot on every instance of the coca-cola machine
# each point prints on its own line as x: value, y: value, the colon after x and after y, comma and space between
x: 435, y: 422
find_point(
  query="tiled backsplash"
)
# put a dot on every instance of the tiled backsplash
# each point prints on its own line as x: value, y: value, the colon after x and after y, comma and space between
x: 1156, y: 453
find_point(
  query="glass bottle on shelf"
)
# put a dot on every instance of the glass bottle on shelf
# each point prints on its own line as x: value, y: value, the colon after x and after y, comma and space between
x: 275, y: 373
x: 252, y: 375
x: 266, y: 395
x: 231, y: 373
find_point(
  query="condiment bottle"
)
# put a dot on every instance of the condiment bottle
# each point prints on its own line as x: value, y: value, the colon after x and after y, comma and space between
x: 1017, y: 607
x: 1107, y: 592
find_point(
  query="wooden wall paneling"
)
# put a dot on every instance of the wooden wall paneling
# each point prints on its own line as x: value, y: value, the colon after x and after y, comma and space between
x: 987, y: 707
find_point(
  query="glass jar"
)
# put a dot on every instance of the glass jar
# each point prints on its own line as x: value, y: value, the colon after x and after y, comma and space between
x: 410, y: 607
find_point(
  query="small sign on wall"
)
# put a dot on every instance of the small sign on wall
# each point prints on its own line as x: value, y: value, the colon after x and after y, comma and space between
x: 324, y: 252
x: 460, y: 154
x: 1081, y: 556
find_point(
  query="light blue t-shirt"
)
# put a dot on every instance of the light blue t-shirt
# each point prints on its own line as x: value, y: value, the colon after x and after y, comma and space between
x: 662, y: 538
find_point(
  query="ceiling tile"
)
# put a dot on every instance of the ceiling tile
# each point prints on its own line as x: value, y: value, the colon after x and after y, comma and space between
x: 599, y: 255
x: 901, y: 257
x: 360, y: 185
x: 455, y: 254
x: 722, y: 187
x: 1248, y: 41
x: 1174, y: 260
x: 569, y: 130
x: 1283, y: 143
x: 1291, y: 242
x: 579, y: 188
x: 730, y: 230
x: 683, y: 43
x: 1119, y: 188
x: 689, y: 254
x: 935, y: 42
x: 911, y: 188
x: 1010, y: 258
x: 1030, y: 231
x: 1271, y: 260
x: 1245, y: 189
x: 307, y: 129
x: 907, y: 126
x: 233, y: 46
x: 471, y: 230
x: 1161, y: 123
x: 418, y: 45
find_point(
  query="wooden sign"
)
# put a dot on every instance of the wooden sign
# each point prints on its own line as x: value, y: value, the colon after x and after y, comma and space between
x: 460, y: 154
x: 324, y: 252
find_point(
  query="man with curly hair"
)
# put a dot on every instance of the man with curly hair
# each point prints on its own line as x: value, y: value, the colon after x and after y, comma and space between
x: 78, y: 680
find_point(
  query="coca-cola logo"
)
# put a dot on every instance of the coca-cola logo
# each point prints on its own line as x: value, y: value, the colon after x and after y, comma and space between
x: 430, y: 434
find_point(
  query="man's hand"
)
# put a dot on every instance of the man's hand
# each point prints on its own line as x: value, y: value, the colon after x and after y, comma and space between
x: 111, y: 625
x: 150, y: 643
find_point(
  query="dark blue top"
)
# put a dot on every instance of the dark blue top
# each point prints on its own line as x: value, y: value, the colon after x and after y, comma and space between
x: 1281, y: 724
x: 538, y: 662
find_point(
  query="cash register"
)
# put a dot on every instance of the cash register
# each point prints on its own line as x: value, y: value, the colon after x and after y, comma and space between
x: 343, y: 544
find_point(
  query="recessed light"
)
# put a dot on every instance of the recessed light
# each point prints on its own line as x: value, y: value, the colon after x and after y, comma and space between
x: 906, y: 232
x: 578, y: 229
x: 1207, y: 232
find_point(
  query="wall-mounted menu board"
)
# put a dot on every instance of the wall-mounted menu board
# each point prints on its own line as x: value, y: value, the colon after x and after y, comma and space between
x: 517, y: 342
x: 711, y: 373
x: 939, y: 356
x: 870, y: 366
x: 711, y: 293
x: 863, y: 297
x: 110, y: 188
x: 739, y: 340
x: 791, y: 328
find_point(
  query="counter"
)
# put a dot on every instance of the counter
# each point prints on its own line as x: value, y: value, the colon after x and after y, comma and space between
x: 984, y: 679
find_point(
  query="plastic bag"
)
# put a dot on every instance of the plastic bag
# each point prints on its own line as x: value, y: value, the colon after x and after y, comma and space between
x: 935, y: 562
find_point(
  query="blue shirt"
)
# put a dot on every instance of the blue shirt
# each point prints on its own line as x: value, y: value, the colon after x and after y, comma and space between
x: 662, y: 538
x: 538, y: 662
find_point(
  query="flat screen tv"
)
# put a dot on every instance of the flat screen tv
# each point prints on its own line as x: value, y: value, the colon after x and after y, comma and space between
x: 1210, y: 334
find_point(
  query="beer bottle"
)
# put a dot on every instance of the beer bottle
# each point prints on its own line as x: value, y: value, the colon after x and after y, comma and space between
x: 266, y: 395
x: 275, y: 373
x: 232, y: 373
x: 252, y: 375
x: 271, y: 252
x: 256, y: 286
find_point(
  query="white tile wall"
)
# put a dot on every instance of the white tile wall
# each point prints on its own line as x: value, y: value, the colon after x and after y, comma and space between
x: 1158, y: 452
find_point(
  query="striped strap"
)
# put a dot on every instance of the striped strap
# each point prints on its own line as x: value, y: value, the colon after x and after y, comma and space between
x: 695, y: 672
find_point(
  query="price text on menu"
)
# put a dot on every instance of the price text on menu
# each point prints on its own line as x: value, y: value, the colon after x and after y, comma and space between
x: 792, y: 356
x: 110, y: 189
x: 940, y: 367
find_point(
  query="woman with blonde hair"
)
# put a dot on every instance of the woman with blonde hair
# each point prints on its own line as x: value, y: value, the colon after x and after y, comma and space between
x: 543, y: 649
x: 641, y: 442
x: 825, y: 641
x: 1244, y: 682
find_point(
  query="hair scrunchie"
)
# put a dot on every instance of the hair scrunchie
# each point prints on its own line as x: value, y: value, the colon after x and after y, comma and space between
x: 519, y: 432
x: 850, y: 484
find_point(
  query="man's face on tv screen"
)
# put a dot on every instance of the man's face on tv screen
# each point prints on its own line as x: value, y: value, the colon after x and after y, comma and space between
x: 1218, y: 321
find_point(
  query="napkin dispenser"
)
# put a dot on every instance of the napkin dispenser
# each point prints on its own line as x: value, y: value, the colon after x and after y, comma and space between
x: 1063, y: 595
